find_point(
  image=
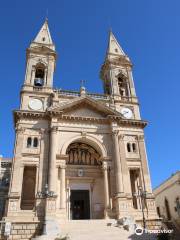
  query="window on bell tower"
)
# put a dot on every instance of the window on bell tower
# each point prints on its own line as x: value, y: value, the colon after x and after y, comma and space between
x: 123, y: 85
x: 39, y: 75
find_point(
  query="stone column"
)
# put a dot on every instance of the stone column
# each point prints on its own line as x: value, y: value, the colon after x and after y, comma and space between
x: 106, y: 188
x: 144, y: 164
x: 63, y: 186
x: 118, y: 170
x: 52, y: 160
x: 33, y: 75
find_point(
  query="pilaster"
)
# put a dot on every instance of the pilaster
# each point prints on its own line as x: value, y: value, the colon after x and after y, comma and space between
x: 63, y: 185
x: 106, y: 189
x: 144, y: 164
x: 117, y: 163
x: 52, y: 160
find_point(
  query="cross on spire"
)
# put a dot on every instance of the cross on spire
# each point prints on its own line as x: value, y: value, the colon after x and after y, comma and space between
x: 82, y: 83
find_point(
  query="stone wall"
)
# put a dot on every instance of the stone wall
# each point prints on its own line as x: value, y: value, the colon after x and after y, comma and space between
x: 154, y: 224
x: 23, y: 231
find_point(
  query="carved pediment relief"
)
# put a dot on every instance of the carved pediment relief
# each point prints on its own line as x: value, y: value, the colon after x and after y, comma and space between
x: 85, y: 111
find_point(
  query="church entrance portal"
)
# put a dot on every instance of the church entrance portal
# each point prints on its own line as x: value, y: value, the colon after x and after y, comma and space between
x: 80, y: 204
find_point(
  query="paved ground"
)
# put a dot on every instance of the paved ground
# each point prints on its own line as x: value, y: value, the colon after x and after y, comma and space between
x: 99, y: 230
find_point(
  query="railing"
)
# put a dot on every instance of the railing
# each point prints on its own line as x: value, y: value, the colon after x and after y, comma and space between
x: 77, y: 94
x: 127, y: 99
x: 37, y: 88
x: 67, y: 92
x: 98, y: 96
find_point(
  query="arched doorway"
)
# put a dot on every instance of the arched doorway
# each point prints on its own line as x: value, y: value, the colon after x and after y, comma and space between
x: 84, y: 174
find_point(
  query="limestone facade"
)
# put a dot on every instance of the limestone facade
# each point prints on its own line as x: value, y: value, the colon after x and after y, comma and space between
x: 89, y: 149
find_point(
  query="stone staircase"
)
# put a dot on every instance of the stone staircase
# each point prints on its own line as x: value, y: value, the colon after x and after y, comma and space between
x: 98, y: 230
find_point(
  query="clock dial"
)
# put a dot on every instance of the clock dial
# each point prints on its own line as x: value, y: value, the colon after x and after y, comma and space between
x: 35, y: 104
x: 127, y: 113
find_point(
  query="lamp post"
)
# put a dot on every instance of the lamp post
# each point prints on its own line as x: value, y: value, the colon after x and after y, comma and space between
x: 142, y: 194
x: 45, y: 194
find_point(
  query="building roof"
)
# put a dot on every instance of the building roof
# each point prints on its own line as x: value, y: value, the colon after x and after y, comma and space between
x: 174, y: 178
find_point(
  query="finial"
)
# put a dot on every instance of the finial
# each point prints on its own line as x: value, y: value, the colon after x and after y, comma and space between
x: 47, y: 13
x: 109, y: 25
x: 82, y: 89
x: 82, y: 83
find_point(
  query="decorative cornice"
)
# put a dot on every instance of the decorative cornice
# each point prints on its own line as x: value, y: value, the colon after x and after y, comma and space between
x: 30, y: 114
x: 128, y: 122
x: 82, y: 118
x: 49, y: 114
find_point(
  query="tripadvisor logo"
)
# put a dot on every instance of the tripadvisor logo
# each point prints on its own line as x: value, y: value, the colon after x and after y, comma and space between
x: 139, y: 231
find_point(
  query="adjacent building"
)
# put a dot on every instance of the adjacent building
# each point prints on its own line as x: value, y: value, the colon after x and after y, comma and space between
x: 167, y: 197
x: 5, y: 172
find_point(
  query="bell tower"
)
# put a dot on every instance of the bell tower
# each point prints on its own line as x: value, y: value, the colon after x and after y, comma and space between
x: 40, y: 61
x: 40, y: 67
x: 116, y: 72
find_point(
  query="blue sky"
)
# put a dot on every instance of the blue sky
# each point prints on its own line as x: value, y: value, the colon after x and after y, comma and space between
x: 149, y: 33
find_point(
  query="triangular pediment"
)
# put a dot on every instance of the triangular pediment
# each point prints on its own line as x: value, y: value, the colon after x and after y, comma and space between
x: 84, y: 107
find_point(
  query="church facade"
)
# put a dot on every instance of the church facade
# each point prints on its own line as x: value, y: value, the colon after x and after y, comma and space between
x: 78, y: 155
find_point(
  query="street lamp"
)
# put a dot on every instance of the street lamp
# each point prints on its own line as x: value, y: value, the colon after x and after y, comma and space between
x: 142, y: 194
x: 45, y: 194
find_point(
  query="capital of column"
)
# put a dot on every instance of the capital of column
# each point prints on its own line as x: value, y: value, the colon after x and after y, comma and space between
x: 62, y: 166
x: 121, y: 137
x: 115, y: 132
x: 33, y: 68
x: 140, y: 138
x: 104, y: 167
x: 19, y: 130
x: 54, y: 129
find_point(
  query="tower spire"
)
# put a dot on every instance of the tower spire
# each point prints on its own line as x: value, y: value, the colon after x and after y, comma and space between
x: 44, y: 37
x: 114, y: 49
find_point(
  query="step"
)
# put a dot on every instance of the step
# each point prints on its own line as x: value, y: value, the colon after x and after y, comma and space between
x: 102, y: 229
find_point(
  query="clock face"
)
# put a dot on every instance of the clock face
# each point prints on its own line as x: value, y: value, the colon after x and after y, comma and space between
x: 127, y: 113
x: 35, y: 104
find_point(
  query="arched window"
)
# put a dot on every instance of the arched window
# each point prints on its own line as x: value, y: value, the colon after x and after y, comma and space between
x: 168, y: 214
x: 158, y: 211
x: 83, y: 154
x: 39, y: 75
x: 134, y: 147
x: 29, y: 142
x: 128, y: 147
x: 35, y: 142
